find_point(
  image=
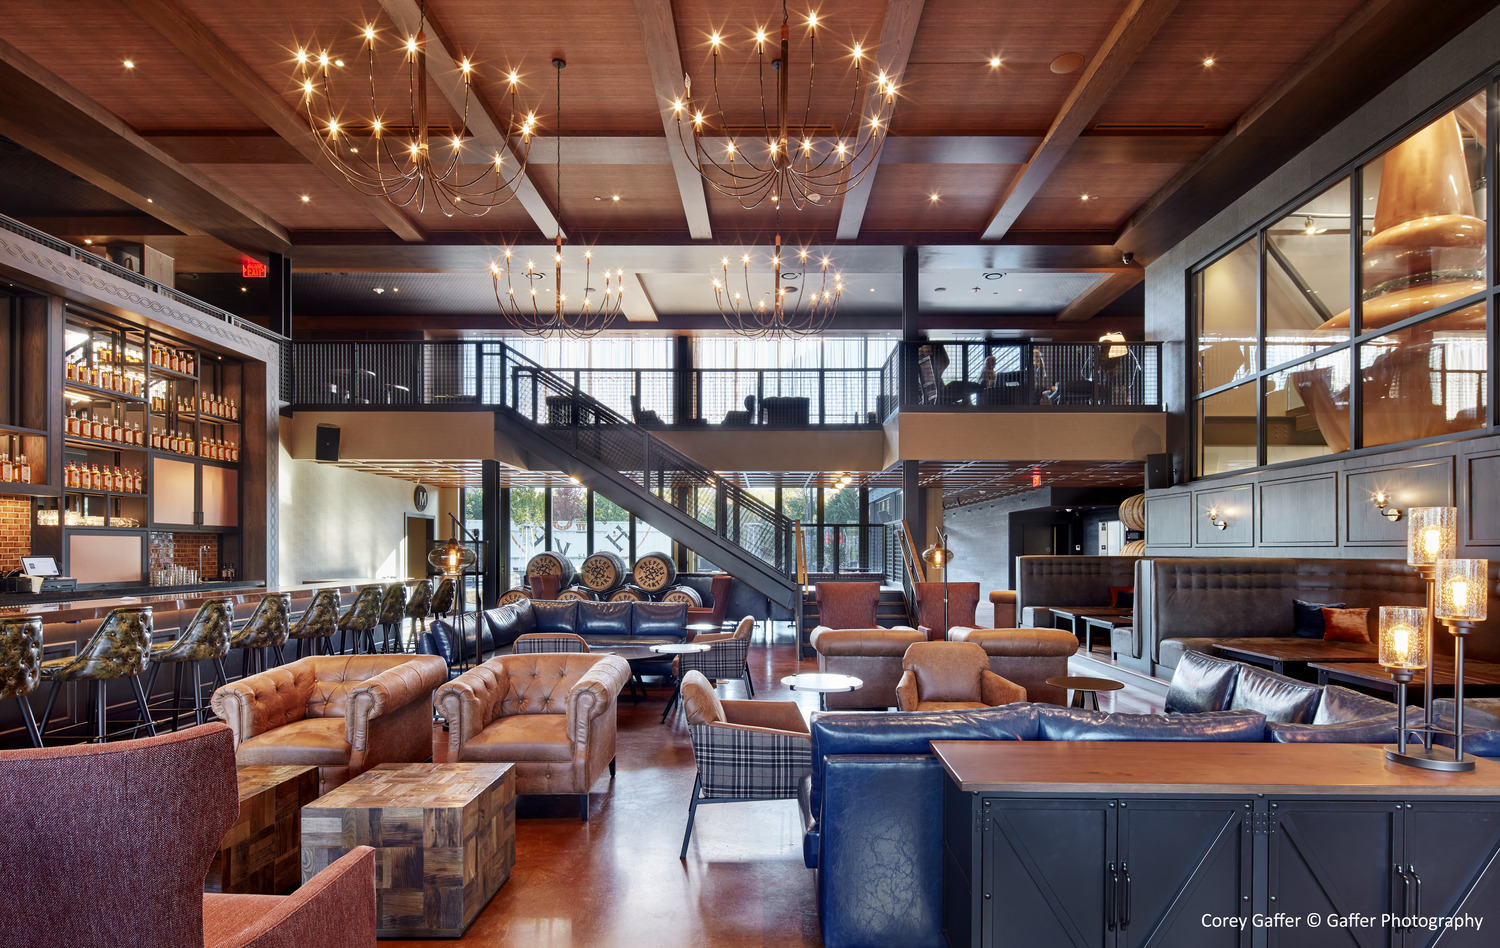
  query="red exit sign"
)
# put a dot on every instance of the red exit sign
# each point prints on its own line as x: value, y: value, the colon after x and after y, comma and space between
x: 252, y: 269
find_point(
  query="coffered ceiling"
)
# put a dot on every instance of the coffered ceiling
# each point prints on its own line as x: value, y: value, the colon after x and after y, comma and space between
x: 1038, y: 139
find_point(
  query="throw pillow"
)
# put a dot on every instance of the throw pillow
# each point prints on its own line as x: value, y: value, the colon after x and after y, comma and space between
x: 1307, y: 617
x: 1122, y: 597
x: 1346, y: 625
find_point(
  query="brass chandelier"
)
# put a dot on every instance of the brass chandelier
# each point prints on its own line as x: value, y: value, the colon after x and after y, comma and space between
x: 416, y: 163
x: 809, y: 312
x: 779, y: 160
x: 523, y: 307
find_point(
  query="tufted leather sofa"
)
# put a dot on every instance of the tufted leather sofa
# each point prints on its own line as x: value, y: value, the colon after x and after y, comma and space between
x: 341, y: 713
x: 1027, y: 657
x: 871, y: 655
x: 552, y: 714
x: 599, y: 623
x: 1046, y: 581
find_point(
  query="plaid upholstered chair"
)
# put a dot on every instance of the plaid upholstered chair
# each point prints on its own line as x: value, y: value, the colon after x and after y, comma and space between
x: 727, y: 659
x: 745, y: 750
x: 535, y: 642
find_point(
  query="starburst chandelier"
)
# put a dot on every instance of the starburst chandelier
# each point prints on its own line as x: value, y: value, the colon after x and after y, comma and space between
x: 780, y: 160
x: 525, y: 310
x: 748, y: 312
x: 416, y: 163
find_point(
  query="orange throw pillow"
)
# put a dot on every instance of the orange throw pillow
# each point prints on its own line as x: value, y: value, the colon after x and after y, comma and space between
x: 1346, y: 625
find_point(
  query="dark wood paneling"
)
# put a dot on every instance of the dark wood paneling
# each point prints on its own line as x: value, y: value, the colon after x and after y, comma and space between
x: 1169, y: 519
x: 1300, y: 511
x: 1483, y: 500
x: 1236, y: 508
x: 1422, y: 484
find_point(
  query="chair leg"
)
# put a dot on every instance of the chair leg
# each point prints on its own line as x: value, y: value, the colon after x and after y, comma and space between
x: 47, y: 713
x: 749, y: 681
x: 197, y: 698
x: 140, y: 702
x: 223, y: 676
x: 583, y: 807
x: 672, y: 701
x: 611, y: 766
x: 100, y: 710
x: 36, y: 735
x: 692, y: 814
x: 176, y: 690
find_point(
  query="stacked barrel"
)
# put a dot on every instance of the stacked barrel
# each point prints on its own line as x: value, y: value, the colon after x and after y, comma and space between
x: 602, y: 577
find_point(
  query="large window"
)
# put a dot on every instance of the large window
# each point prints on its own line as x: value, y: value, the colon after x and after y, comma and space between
x: 1315, y: 335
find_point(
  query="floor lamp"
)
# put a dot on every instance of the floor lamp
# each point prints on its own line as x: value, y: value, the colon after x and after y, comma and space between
x: 454, y: 560
x: 940, y: 556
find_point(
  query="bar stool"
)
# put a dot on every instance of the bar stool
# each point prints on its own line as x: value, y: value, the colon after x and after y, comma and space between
x: 392, y: 614
x: 318, y: 623
x: 20, y: 666
x: 361, y: 618
x: 206, y: 639
x: 442, y: 600
x: 265, y: 630
x: 419, y: 606
x: 119, y: 648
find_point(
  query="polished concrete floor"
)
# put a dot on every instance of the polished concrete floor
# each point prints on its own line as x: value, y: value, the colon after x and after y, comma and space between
x: 616, y: 880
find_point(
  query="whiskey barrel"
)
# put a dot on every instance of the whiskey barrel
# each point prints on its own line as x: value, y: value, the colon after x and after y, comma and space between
x: 513, y: 595
x: 551, y: 564
x: 1133, y: 512
x: 582, y: 593
x: 629, y: 593
x: 685, y: 594
x: 602, y: 572
x: 654, y: 572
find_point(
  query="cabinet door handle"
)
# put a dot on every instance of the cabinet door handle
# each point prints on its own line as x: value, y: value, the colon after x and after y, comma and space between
x: 1111, y: 906
x: 1417, y: 902
x: 1125, y: 902
x: 1405, y: 895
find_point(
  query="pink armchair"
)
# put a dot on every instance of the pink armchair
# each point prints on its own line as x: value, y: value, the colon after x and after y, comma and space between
x: 113, y: 842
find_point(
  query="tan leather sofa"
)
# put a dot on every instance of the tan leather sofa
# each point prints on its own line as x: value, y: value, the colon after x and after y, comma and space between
x: 342, y: 713
x: 871, y: 655
x: 1027, y: 657
x: 552, y: 714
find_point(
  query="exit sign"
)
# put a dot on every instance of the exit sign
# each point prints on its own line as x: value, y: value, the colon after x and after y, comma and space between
x: 252, y: 269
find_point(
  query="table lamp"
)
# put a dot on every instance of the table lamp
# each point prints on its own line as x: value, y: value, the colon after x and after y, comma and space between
x: 1403, y: 652
x: 940, y: 556
x: 1462, y: 603
x: 1431, y: 535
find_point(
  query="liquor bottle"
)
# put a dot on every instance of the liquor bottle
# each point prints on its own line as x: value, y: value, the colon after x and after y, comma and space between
x: 7, y: 470
x: 96, y: 480
x: 96, y: 428
x: 25, y: 470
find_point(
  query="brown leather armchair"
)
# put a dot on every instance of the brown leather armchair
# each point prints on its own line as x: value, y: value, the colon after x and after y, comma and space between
x: 1004, y: 601
x: 1027, y: 657
x: 847, y: 605
x: 552, y: 714
x: 949, y: 676
x: 871, y: 655
x: 342, y: 713
x: 963, y: 601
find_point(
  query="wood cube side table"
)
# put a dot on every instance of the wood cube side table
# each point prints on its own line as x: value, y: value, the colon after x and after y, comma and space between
x: 261, y: 853
x: 444, y: 838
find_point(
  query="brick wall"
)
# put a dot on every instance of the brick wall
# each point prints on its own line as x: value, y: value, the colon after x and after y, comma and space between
x: 15, y: 531
x: 181, y: 549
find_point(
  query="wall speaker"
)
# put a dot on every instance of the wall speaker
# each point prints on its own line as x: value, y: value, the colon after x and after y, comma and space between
x: 328, y: 443
x: 1158, y: 471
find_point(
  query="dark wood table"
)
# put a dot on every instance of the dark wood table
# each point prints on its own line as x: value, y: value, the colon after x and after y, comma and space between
x: 1278, y: 651
x: 1105, y: 622
x: 1074, y: 619
x: 1085, y: 690
x: 1481, y: 679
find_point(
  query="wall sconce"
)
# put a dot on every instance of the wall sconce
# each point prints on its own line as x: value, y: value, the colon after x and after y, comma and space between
x: 1381, y: 499
x: 1215, y: 519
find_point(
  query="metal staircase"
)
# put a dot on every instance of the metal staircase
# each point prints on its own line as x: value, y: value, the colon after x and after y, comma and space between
x: 547, y: 417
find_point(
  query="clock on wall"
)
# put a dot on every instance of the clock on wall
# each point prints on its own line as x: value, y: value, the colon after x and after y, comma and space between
x: 419, y: 497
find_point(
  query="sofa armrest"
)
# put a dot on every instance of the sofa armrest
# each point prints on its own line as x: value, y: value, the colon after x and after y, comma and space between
x: 463, y: 703
x: 261, y: 702
x: 906, y: 691
x: 995, y: 690
x: 335, y: 909
x: 389, y: 691
x: 776, y: 715
x: 593, y: 694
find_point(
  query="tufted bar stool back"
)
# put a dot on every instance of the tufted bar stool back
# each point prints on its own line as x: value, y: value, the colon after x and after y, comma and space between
x: 361, y: 619
x: 20, y: 665
x: 392, y: 614
x: 317, y: 623
x: 205, y: 639
x: 442, y: 598
x: 264, y: 633
x: 119, y: 648
x: 419, y: 605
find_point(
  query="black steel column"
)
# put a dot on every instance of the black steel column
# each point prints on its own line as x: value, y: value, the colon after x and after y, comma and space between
x: 279, y: 270
x: 491, y: 532
x: 502, y: 541
x: 913, y: 510
x: 910, y: 332
x: 682, y: 379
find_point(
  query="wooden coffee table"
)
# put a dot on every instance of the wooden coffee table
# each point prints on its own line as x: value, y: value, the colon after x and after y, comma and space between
x: 262, y: 852
x: 445, y: 836
x: 1278, y: 651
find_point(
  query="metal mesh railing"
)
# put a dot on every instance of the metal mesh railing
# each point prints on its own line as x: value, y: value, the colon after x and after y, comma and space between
x: 1033, y: 376
x: 551, y: 404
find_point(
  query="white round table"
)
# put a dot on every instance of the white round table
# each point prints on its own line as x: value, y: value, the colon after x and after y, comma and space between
x: 824, y: 683
x: 677, y: 648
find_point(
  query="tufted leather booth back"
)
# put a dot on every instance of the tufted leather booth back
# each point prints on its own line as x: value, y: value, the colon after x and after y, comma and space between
x: 20, y: 655
x: 1070, y: 580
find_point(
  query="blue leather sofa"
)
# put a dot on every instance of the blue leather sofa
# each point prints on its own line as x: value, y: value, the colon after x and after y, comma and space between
x: 599, y: 623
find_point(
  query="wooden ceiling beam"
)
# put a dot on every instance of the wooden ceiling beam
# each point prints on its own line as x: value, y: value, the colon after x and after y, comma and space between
x: 56, y: 121
x: 1125, y: 43
x: 897, y: 33
x: 212, y: 55
x: 488, y: 133
x: 1101, y: 294
x: 664, y: 56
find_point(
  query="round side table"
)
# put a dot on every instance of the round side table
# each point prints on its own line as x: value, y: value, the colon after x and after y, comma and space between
x: 824, y: 683
x: 1085, y: 690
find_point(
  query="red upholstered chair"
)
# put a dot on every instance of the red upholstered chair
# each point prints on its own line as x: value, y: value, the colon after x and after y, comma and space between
x: 718, y: 594
x: 544, y: 587
x: 847, y: 605
x: 77, y: 878
x: 963, y: 600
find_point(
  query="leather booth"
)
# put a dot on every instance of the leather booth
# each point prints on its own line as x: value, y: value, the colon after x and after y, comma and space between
x: 1063, y: 581
x: 871, y: 655
x: 342, y: 713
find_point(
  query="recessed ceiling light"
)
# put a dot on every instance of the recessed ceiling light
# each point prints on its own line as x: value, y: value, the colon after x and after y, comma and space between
x: 940, y: 289
x: 306, y: 198
x: 129, y: 64
x: 994, y: 62
x: 395, y: 289
x: 614, y: 197
x: 993, y: 275
x: 1209, y: 61
x: 87, y: 240
x: 1066, y: 63
x: 933, y: 197
x: 872, y: 289
x: 598, y: 197
x: 150, y: 201
x: 378, y: 289
x: 339, y: 63
x: 1083, y: 197
x: 244, y: 289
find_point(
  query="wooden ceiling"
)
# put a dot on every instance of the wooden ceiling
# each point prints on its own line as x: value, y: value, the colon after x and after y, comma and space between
x: 203, y: 137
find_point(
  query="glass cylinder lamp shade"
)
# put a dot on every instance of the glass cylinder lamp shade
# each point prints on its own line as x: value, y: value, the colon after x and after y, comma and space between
x: 1462, y: 590
x: 452, y: 558
x: 1431, y: 535
x: 1402, y: 642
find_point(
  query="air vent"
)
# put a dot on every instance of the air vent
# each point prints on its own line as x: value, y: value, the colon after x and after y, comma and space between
x: 1163, y: 127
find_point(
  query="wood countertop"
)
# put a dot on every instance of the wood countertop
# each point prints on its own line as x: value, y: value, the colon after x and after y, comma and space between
x: 82, y: 607
x: 1192, y: 768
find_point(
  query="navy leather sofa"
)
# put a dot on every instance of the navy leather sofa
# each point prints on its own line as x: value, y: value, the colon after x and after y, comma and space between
x: 599, y: 623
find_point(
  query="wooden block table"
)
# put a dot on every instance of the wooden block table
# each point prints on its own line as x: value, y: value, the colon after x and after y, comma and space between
x: 261, y: 853
x: 444, y: 835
